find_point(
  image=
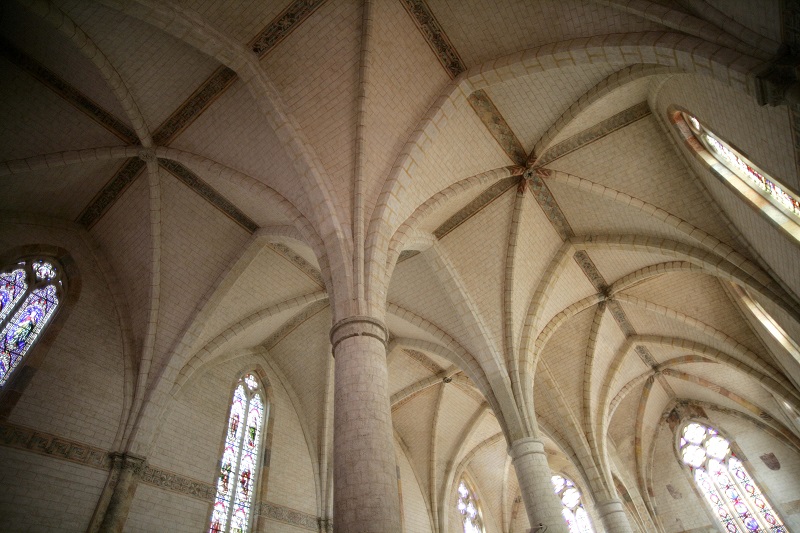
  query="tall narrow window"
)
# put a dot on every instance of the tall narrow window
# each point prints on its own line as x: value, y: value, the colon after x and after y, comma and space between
x: 734, y: 497
x: 772, y: 198
x: 467, y: 506
x: 29, y: 295
x: 573, y: 511
x: 239, y: 466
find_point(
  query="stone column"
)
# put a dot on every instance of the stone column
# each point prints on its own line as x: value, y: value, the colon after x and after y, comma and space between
x: 612, y: 513
x: 117, y: 496
x: 534, y: 475
x: 365, y: 497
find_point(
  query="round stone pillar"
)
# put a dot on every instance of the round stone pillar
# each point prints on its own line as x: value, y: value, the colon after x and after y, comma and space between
x: 365, y: 496
x: 125, y: 471
x: 533, y: 474
x: 613, y: 516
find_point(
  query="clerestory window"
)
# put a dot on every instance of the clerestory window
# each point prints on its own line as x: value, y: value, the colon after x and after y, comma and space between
x: 29, y: 297
x: 467, y: 506
x: 239, y: 466
x: 735, y: 498
x: 775, y: 200
x: 572, y: 510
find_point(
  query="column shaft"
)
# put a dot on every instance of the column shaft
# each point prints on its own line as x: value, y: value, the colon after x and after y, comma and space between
x: 533, y: 474
x: 613, y: 516
x: 126, y: 468
x: 365, y: 495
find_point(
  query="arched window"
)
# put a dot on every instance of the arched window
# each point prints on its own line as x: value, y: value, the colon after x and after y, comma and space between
x: 736, y: 500
x: 573, y: 511
x: 764, y: 192
x: 29, y: 296
x: 468, y: 507
x: 239, y: 466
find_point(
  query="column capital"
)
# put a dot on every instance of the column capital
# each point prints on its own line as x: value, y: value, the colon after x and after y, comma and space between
x: 358, y: 326
x: 525, y: 446
x: 612, y: 505
x: 128, y: 461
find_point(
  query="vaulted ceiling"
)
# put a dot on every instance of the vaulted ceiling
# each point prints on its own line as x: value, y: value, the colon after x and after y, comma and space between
x: 215, y: 155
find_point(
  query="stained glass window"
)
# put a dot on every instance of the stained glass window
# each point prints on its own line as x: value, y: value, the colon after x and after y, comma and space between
x: 734, y: 497
x: 467, y: 506
x: 782, y: 205
x: 29, y: 296
x: 572, y: 510
x: 238, y: 468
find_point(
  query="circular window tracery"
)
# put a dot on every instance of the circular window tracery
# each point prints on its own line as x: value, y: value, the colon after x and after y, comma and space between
x: 738, y: 503
x: 573, y: 511
x: 30, y: 292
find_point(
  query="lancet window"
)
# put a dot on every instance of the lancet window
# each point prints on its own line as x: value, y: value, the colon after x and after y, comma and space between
x: 239, y: 466
x: 469, y: 510
x: 728, y: 488
x: 572, y: 510
x: 29, y: 297
x: 774, y: 199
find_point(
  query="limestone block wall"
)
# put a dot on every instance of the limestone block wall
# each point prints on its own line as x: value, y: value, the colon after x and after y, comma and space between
x: 680, y: 508
x: 52, y: 444
x: 415, y: 512
x: 189, y: 444
x: 763, y: 135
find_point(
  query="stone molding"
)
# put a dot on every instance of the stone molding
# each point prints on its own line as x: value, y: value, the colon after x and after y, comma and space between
x: 435, y: 36
x: 525, y: 446
x: 287, y: 515
x: 497, y: 126
x: 216, y: 84
x: 208, y: 193
x: 358, y: 326
x: 126, y: 175
x: 40, y: 443
x: 46, y: 444
x: 294, y: 322
x: 546, y: 200
x: 283, y: 25
x: 471, y: 209
x: 307, y: 268
x: 69, y: 93
x: 598, y: 131
x: 166, y: 480
x: 609, y: 506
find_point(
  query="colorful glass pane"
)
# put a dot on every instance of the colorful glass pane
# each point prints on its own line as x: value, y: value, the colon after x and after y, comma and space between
x: 44, y: 270
x: 755, y: 178
x: 24, y: 327
x: 467, y: 506
x: 582, y: 522
x: 574, y: 513
x: 694, y: 433
x: 754, y: 494
x: 239, y: 464
x: 735, y: 498
x: 12, y: 288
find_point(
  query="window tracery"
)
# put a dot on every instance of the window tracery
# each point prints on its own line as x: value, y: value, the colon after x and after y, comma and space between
x: 728, y: 488
x: 774, y: 199
x: 467, y: 506
x: 573, y: 511
x: 29, y: 296
x: 233, y: 503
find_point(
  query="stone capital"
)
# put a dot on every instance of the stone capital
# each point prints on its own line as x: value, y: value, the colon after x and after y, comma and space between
x: 128, y: 461
x: 609, y: 506
x: 525, y: 446
x: 358, y: 326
